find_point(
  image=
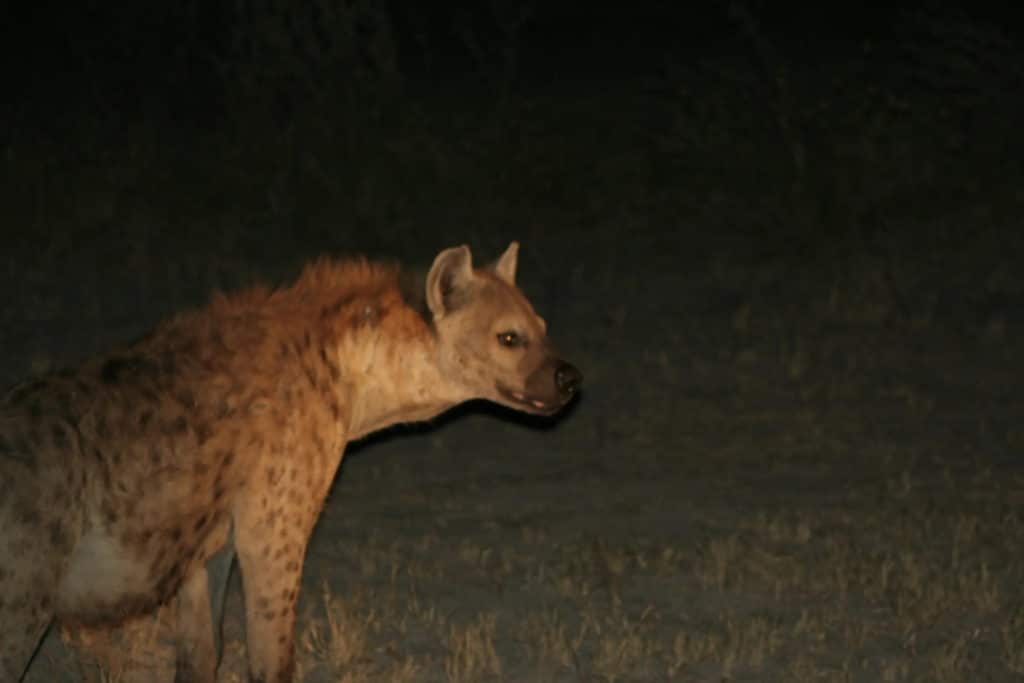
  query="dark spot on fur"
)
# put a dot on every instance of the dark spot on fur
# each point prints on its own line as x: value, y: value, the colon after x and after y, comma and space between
x: 144, y: 417
x: 188, y: 348
x: 59, y: 493
x: 168, y: 584
x: 310, y: 376
x: 83, y: 388
x: 116, y: 369
x: 200, y: 523
x: 150, y: 394
x: 284, y: 612
x: 102, y: 430
x: 223, y: 410
x: 177, y: 427
x: 105, y: 476
x: 332, y: 310
x: 30, y: 515
x: 158, y: 558
x: 186, y: 398
x: 58, y: 539
x: 203, y: 433
x: 60, y: 437
x: 332, y: 368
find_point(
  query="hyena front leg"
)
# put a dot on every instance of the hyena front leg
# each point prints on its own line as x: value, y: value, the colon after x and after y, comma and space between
x: 270, y: 540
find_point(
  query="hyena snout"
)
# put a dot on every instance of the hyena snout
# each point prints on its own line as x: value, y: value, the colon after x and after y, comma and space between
x: 551, y: 386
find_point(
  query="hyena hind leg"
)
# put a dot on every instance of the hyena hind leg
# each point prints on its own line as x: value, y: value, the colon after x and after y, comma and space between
x: 200, y: 614
x: 219, y: 569
x: 21, y: 637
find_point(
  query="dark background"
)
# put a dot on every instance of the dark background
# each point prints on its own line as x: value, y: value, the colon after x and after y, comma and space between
x: 783, y: 244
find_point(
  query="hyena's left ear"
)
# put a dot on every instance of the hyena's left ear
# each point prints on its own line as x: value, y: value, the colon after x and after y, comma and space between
x: 505, y: 267
x: 447, y: 280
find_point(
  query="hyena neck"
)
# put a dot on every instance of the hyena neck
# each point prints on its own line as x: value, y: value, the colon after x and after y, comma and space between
x: 393, y: 365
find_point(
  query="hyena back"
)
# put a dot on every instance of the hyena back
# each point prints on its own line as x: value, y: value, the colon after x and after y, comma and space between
x: 224, y: 428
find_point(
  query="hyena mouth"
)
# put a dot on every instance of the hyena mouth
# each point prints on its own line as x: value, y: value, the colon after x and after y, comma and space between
x: 533, y: 405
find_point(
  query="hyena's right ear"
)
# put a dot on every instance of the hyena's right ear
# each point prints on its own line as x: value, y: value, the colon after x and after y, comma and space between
x: 447, y: 280
x: 505, y: 266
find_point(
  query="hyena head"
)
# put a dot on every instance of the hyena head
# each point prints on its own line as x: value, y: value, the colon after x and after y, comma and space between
x: 491, y: 342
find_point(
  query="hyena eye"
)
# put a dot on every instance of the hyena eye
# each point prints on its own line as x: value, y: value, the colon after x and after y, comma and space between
x: 510, y: 339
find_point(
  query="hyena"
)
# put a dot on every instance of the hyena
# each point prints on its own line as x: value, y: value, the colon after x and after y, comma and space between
x: 224, y: 428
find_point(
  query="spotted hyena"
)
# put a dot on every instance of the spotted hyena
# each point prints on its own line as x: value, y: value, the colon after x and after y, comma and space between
x: 223, y: 428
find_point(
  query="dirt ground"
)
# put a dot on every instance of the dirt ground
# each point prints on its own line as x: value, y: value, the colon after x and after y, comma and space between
x: 798, y: 455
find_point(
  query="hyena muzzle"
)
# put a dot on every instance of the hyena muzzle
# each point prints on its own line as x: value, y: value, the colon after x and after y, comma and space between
x: 220, y: 433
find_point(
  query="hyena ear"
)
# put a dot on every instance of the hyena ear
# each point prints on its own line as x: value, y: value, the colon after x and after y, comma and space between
x: 505, y: 267
x: 447, y: 280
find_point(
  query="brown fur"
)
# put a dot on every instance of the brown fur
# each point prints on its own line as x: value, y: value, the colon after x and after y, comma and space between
x: 128, y: 473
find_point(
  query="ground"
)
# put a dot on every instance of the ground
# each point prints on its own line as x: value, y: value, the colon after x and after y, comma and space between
x: 797, y: 456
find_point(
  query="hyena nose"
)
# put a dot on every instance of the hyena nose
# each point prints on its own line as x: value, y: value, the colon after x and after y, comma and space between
x: 568, y: 380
